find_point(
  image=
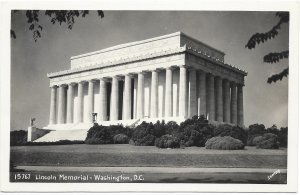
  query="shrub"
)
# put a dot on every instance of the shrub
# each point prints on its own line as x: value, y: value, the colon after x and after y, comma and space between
x: 99, y: 135
x: 268, y: 141
x: 194, y: 132
x: 18, y: 137
x: 105, y: 134
x: 143, y: 135
x: 254, y: 131
x: 232, y: 131
x: 167, y: 141
x: 172, y: 128
x: 256, y: 140
x: 121, y: 139
x: 283, y: 136
x: 224, y: 143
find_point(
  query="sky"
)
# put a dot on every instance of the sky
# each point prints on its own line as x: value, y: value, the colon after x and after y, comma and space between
x: 227, y: 31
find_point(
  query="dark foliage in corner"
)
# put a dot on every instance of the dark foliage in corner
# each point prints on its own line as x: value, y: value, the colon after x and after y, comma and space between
x: 273, y: 57
x: 224, y: 143
x: 18, y: 138
x: 232, y: 131
x: 283, y: 137
x: 279, y: 76
x: 56, y: 16
x: 258, y: 38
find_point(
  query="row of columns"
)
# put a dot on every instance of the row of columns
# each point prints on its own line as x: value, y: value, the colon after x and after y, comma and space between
x: 217, y: 98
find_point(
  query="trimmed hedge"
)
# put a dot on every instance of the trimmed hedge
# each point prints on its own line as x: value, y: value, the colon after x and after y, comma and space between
x: 224, y: 143
x: 167, y: 141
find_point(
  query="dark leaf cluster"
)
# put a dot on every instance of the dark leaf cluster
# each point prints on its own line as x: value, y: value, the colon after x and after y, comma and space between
x: 56, y: 16
x: 276, y: 77
x: 275, y: 57
x: 258, y: 38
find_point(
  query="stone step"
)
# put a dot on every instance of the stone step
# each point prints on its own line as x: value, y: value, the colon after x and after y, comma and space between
x: 54, y: 136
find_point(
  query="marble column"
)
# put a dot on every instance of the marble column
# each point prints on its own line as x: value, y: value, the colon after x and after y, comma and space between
x: 53, y: 102
x: 154, y: 94
x: 240, y: 107
x: 127, y: 98
x: 135, y: 83
x: 233, y: 104
x: 226, y: 100
x: 103, y: 100
x: 182, y: 91
x: 140, y: 96
x: 70, y: 103
x: 202, y: 94
x: 90, y: 106
x: 168, y: 96
x: 219, y: 99
x: 62, y: 104
x: 211, y: 97
x: 80, y: 102
x: 192, y: 100
x: 114, y: 104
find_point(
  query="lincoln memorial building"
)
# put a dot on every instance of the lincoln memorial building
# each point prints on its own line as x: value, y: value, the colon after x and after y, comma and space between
x: 171, y: 77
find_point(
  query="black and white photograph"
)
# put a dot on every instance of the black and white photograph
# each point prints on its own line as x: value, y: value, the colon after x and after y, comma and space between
x: 152, y: 96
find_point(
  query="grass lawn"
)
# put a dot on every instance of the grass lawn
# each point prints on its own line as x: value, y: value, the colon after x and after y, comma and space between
x: 139, y: 156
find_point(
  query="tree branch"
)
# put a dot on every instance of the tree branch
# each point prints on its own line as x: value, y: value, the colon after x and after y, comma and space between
x: 56, y: 16
x: 275, y: 57
x: 263, y: 37
x: 276, y: 77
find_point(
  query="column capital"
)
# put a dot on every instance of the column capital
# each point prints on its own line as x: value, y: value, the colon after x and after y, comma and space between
x: 82, y: 81
x: 131, y: 75
x: 184, y: 66
x: 53, y: 86
x: 72, y: 84
x: 92, y: 80
x: 211, y: 74
x: 104, y: 79
x: 226, y: 80
x: 171, y: 68
x: 63, y: 85
x: 143, y: 72
x: 202, y: 72
x: 118, y: 77
x: 158, y: 70
x: 233, y: 84
x: 240, y: 85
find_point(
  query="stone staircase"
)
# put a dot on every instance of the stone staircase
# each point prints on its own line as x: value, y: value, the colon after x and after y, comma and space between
x: 78, y: 131
x: 57, y: 135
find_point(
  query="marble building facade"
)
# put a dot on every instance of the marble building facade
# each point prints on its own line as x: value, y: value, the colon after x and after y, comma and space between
x: 170, y: 77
